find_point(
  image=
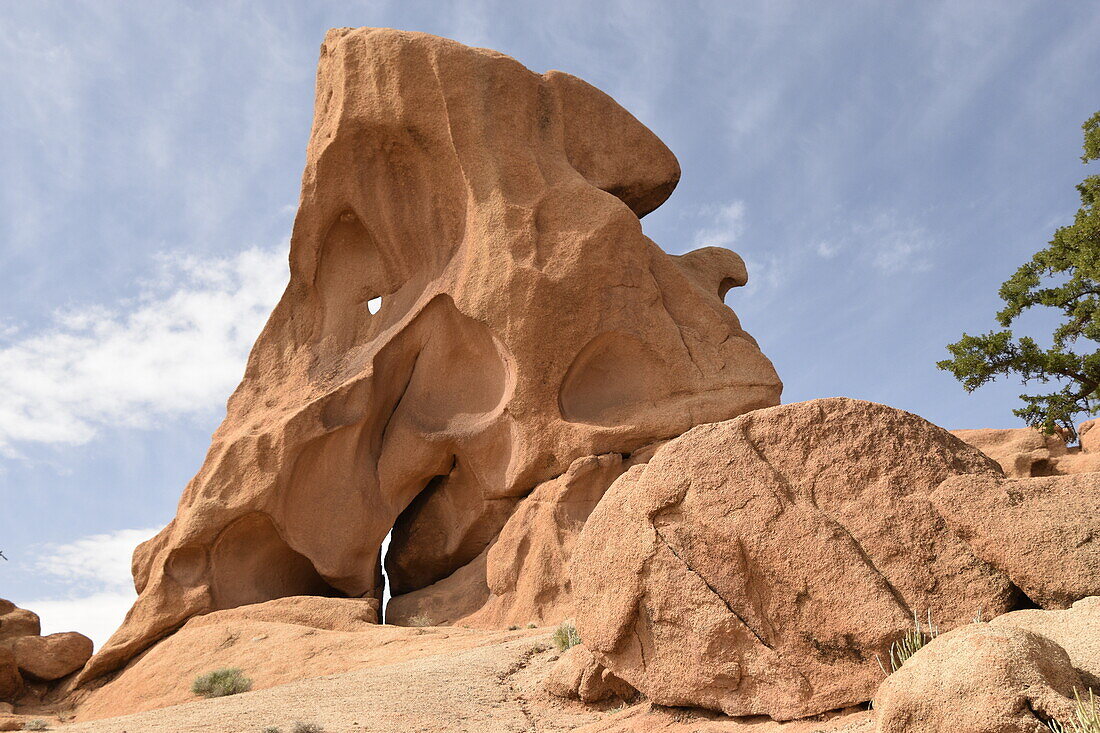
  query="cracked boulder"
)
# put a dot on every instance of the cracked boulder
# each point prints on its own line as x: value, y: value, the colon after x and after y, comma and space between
x: 980, y: 679
x: 578, y: 676
x: 472, y: 306
x: 1044, y: 533
x: 762, y: 564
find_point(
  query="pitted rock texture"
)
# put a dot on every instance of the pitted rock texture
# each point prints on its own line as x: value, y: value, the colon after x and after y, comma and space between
x: 1044, y: 533
x: 980, y: 679
x: 525, y: 321
x: 759, y: 565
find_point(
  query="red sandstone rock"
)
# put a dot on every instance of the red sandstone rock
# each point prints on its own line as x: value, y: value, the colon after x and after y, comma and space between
x: 1076, y: 629
x: 578, y: 676
x: 525, y: 321
x: 16, y: 622
x: 11, y: 682
x: 1026, y: 452
x: 52, y: 657
x: 759, y: 565
x: 979, y: 679
x: 1044, y: 533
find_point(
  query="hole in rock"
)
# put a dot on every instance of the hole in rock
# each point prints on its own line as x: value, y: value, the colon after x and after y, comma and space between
x: 252, y: 563
x: 374, y: 305
x: 386, y: 594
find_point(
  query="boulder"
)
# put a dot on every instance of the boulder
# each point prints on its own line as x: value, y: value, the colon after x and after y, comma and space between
x: 16, y: 622
x: 578, y: 676
x: 980, y: 679
x: 1044, y: 533
x: 472, y: 306
x: 11, y: 682
x: 52, y: 657
x: 1076, y: 629
x: 762, y: 564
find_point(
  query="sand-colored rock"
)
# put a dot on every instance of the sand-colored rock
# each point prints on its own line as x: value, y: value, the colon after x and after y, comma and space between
x: 759, y: 565
x: 1027, y: 452
x: 577, y: 675
x: 1044, y: 533
x: 11, y: 682
x: 981, y: 679
x: 51, y: 657
x: 525, y: 321
x: 16, y: 622
x: 1076, y: 629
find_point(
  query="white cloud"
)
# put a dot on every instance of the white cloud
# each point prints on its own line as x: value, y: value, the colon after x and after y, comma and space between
x: 99, y: 587
x: 178, y: 349
x: 726, y: 226
x: 894, y: 244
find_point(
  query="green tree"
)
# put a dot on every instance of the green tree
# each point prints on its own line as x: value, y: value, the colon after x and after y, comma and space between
x: 1064, y: 275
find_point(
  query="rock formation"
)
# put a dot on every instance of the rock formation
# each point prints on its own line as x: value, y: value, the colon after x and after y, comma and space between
x: 26, y: 655
x: 1012, y: 675
x: 1026, y: 452
x: 578, y: 675
x: 1044, y: 533
x: 525, y: 321
x: 980, y: 679
x: 759, y: 565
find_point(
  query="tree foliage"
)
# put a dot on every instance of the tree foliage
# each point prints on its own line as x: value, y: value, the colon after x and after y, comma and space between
x: 1065, y: 275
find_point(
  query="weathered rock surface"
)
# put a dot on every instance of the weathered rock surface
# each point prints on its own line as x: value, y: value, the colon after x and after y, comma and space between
x: 525, y: 321
x: 1044, y: 533
x: 981, y: 679
x: 24, y: 654
x: 1026, y: 452
x: 51, y: 657
x: 16, y: 622
x: 759, y: 565
x: 11, y: 682
x: 1076, y: 629
x: 578, y: 676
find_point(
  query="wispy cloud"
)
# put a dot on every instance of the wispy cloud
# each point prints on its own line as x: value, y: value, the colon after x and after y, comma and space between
x: 95, y: 571
x: 727, y: 224
x: 178, y: 349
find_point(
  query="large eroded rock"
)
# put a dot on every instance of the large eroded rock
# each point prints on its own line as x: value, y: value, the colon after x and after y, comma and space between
x: 524, y: 321
x: 1044, y: 533
x: 760, y: 565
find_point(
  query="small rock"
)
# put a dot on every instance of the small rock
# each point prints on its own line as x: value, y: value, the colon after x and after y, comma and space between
x: 578, y: 676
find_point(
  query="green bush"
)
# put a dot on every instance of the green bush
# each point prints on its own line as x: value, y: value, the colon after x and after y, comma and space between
x: 566, y: 636
x: 1087, y: 717
x: 221, y: 682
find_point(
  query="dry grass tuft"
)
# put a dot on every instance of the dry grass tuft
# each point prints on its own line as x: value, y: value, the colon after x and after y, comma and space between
x: 221, y: 682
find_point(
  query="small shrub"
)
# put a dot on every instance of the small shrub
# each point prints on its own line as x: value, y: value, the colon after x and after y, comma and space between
x: 513, y: 627
x: 272, y: 729
x: 566, y: 636
x: 36, y: 724
x: 532, y: 626
x: 421, y: 620
x: 1087, y: 717
x: 300, y: 727
x: 221, y: 682
x: 910, y: 643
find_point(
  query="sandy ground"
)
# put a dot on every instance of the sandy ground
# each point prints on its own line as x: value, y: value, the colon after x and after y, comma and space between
x: 496, y: 687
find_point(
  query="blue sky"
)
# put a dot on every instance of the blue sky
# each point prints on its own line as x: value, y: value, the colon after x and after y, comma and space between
x: 881, y: 166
